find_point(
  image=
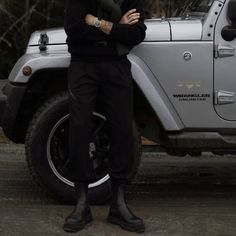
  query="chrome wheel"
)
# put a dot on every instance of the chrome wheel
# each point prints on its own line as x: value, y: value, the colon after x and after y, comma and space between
x: 57, y: 149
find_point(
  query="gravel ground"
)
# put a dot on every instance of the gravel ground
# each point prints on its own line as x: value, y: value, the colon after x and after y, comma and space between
x: 175, y: 196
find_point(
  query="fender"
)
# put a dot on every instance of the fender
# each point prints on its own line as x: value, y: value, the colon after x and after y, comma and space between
x: 155, y: 95
x: 38, y: 61
x: 142, y: 75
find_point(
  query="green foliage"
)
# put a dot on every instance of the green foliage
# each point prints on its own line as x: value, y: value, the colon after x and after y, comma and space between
x: 18, y: 19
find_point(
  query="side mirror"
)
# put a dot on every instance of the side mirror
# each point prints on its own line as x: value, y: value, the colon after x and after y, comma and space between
x: 232, y: 12
x: 229, y: 32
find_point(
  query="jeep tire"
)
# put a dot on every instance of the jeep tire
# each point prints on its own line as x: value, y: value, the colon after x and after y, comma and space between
x: 46, y: 149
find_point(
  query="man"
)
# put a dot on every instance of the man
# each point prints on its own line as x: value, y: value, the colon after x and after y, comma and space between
x: 100, y: 35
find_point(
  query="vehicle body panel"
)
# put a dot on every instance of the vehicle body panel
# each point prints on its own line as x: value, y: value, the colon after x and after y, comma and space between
x: 186, y: 30
x: 211, y: 19
x: 174, y: 62
x: 225, y: 70
x: 188, y: 84
x: 38, y: 61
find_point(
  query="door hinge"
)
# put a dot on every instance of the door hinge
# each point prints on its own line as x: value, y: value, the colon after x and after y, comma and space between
x: 224, y: 51
x: 224, y: 97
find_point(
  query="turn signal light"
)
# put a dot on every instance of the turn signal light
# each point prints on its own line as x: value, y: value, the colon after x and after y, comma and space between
x: 27, y: 71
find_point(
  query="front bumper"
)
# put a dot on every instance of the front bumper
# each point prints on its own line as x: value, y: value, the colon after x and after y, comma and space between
x: 11, y: 97
x: 3, y: 100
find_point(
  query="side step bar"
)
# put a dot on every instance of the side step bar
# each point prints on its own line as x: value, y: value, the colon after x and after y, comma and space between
x: 204, y: 140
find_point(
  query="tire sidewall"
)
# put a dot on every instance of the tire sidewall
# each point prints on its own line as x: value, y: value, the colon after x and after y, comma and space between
x: 36, y: 152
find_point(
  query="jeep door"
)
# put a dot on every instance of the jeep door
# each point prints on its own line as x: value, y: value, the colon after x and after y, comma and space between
x: 183, y: 66
x: 225, y: 68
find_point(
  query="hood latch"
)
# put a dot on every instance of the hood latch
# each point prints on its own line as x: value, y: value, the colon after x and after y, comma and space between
x: 43, y: 41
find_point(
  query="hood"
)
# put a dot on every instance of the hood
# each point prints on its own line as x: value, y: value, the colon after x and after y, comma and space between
x: 186, y: 30
x: 55, y: 36
x: 157, y: 30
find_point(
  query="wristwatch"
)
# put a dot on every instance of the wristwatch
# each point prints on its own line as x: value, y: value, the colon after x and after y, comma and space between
x: 97, y: 23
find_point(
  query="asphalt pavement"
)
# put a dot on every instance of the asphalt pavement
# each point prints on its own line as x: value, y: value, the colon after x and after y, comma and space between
x: 176, y: 196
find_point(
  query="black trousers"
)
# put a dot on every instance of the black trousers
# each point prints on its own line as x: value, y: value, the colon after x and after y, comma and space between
x: 112, y: 81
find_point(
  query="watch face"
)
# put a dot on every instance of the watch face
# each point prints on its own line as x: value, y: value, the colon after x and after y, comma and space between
x: 97, y: 23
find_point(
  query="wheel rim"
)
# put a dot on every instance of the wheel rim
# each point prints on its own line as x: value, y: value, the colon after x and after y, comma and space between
x: 99, y: 149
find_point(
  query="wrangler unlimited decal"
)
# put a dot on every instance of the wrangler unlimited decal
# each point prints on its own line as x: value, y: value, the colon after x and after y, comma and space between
x: 192, y: 97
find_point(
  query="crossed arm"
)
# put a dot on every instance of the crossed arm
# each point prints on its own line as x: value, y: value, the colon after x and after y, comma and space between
x: 130, y: 18
x: 130, y: 30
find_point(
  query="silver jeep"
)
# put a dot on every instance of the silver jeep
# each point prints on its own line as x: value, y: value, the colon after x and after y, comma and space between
x: 184, y: 82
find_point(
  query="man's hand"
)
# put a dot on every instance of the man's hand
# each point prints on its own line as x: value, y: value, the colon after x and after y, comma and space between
x: 130, y: 18
x: 90, y: 19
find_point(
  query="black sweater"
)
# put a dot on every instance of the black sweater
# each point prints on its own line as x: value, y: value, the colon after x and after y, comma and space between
x: 83, y: 39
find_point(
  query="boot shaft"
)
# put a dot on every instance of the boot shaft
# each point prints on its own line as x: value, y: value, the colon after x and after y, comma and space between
x: 118, y: 193
x: 81, y: 190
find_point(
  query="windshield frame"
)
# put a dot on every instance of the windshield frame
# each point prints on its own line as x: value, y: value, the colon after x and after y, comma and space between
x: 191, y: 10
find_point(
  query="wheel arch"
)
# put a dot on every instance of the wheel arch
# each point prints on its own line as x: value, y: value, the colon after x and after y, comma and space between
x: 155, y: 95
x: 40, y: 88
x: 152, y: 109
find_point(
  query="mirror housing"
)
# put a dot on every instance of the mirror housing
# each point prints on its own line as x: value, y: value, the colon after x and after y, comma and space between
x: 228, y: 33
x: 232, y: 11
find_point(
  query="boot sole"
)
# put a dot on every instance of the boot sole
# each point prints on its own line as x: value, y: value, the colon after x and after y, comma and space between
x: 124, y: 225
x: 75, y: 228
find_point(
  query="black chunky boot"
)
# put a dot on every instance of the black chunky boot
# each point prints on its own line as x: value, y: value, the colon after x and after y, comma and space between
x: 120, y: 213
x: 81, y: 215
